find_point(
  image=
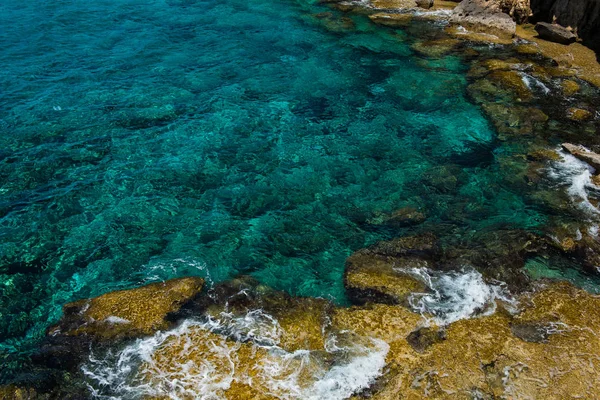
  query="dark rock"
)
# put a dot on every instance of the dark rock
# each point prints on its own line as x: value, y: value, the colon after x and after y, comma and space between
x: 424, y: 245
x: 406, y: 216
x: 581, y: 15
x: 423, y: 338
x: 425, y: 3
x: 530, y: 332
x: 555, y: 33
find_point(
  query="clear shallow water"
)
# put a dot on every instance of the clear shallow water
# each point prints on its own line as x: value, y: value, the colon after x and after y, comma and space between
x: 149, y: 140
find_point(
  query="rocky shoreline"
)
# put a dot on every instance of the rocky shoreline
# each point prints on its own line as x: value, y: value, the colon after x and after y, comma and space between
x: 541, y: 343
x: 414, y: 327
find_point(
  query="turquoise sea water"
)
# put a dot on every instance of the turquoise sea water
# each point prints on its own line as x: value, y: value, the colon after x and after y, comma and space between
x: 146, y: 140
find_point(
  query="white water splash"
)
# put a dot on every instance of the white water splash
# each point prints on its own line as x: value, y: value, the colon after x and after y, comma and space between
x: 532, y: 82
x: 576, y: 175
x: 117, y: 320
x: 457, y: 295
x: 135, y: 373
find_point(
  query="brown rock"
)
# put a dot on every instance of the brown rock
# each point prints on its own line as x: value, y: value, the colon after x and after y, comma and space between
x: 127, y: 313
x: 578, y: 114
x: 393, y: 4
x: 376, y: 278
x: 393, y: 20
x: 12, y: 392
x: 582, y: 15
x: 569, y: 87
x: 435, y: 48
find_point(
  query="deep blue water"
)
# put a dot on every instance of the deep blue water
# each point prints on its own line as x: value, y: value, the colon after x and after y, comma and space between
x: 145, y: 140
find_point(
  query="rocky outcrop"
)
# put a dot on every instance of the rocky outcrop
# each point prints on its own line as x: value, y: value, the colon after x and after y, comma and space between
x: 127, y: 313
x: 484, y: 16
x: 555, y: 33
x: 375, y: 274
x: 581, y: 15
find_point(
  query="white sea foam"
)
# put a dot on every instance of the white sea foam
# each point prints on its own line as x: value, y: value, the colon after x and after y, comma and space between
x: 161, y: 270
x: 438, y: 13
x: 457, y: 295
x: 532, y: 82
x: 577, y: 177
x: 117, y: 320
x: 134, y: 372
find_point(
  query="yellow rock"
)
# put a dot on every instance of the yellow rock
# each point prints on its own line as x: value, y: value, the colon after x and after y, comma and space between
x: 477, y: 37
x: 393, y: 4
x: 128, y: 313
x: 482, y: 356
x: 377, y: 275
x: 582, y: 59
x: 570, y: 88
x: 435, y: 48
x: 393, y: 20
x: 577, y: 114
x: 12, y: 392
x: 513, y: 81
x: 543, y: 155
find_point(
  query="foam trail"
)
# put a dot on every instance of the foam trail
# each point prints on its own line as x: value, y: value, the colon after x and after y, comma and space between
x: 456, y: 295
x: 577, y: 176
x: 531, y: 81
x: 199, y: 359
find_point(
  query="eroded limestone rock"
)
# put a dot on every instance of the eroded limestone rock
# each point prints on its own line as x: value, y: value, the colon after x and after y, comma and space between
x: 483, y: 16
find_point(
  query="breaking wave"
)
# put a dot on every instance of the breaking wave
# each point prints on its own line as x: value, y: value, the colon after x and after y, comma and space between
x: 576, y: 175
x: 457, y: 295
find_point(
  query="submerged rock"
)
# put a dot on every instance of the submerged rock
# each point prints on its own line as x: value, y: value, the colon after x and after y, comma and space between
x: 579, y: 114
x: 555, y: 33
x: 406, y: 216
x: 127, y: 313
x: 435, y: 48
x: 512, y: 80
x: 570, y: 87
x: 394, y: 20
